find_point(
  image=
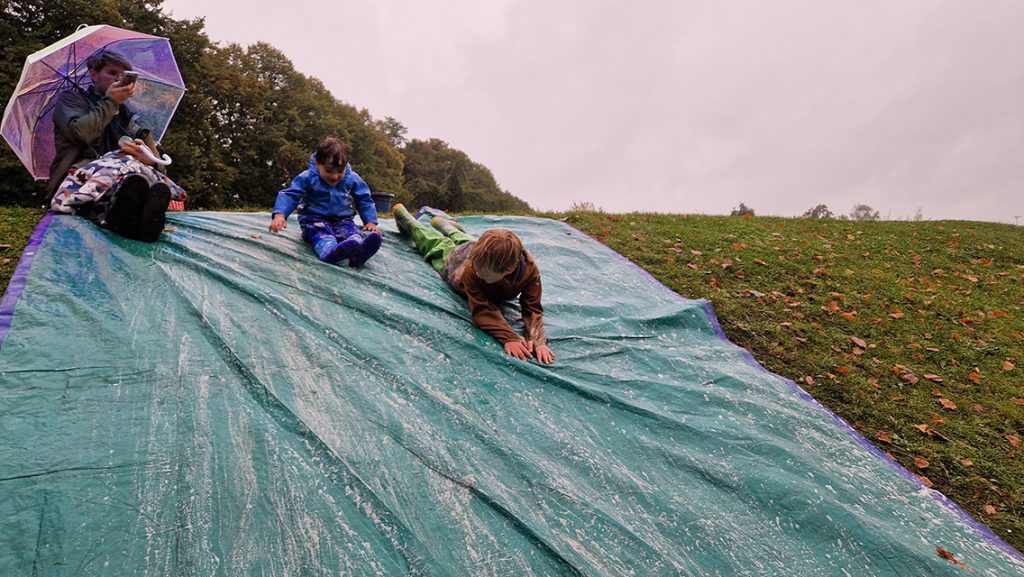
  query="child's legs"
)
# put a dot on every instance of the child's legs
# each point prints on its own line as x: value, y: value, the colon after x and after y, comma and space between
x: 459, y: 237
x: 434, y: 246
x: 344, y: 228
x: 315, y: 229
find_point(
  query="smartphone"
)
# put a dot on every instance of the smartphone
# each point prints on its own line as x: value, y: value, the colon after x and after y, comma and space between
x: 130, y: 76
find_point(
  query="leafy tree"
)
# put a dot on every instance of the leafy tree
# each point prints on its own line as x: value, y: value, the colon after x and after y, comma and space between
x: 441, y: 176
x: 742, y: 210
x: 863, y: 212
x: 820, y: 211
x: 394, y: 130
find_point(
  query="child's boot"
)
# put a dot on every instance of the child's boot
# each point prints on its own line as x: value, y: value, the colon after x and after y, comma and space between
x: 368, y: 247
x: 403, y: 219
x: 447, y: 227
x: 346, y: 249
x: 324, y: 247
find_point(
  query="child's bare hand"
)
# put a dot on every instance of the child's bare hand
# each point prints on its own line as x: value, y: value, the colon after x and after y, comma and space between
x: 278, y: 223
x: 544, y: 354
x: 521, y: 349
x: 371, y: 227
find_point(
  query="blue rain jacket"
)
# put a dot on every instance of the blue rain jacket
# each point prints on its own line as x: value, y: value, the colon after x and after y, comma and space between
x: 312, y: 196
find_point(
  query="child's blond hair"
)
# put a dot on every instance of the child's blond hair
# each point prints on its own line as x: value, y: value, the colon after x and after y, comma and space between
x: 497, y: 250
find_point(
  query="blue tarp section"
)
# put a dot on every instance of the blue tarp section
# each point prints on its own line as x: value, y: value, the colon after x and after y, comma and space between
x: 221, y: 403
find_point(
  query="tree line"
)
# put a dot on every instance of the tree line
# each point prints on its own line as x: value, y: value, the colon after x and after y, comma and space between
x: 249, y: 120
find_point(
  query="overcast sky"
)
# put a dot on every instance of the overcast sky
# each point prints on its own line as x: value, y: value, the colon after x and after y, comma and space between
x: 688, y: 106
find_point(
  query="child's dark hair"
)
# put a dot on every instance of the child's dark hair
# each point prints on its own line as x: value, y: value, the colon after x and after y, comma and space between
x: 332, y: 152
x: 496, y: 251
x: 101, y: 59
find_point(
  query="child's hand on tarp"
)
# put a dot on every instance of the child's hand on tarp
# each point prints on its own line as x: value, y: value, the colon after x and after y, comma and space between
x: 544, y: 354
x: 521, y: 349
x: 371, y: 227
x: 278, y: 223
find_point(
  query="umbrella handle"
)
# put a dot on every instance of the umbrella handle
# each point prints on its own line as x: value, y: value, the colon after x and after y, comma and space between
x: 145, y: 150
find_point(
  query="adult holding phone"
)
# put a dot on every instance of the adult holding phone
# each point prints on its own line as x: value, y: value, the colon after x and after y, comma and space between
x: 101, y: 169
x: 89, y: 123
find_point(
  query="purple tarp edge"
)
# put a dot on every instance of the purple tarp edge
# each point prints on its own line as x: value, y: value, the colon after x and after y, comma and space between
x: 942, y: 499
x: 17, y: 283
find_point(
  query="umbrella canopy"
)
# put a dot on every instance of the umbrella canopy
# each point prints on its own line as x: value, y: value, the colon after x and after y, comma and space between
x: 28, y: 119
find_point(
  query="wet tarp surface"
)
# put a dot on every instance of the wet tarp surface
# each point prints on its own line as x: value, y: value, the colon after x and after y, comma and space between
x: 221, y: 403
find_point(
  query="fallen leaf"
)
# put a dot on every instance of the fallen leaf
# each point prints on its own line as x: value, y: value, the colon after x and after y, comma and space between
x: 927, y: 482
x: 849, y: 316
x: 974, y: 377
x: 842, y: 370
x: 715, y: 282
x: 695, y: 252
x: 932, y: 377
x: 923, y: 428
x: 809, y: 380
x: 859, y: 342
x: 883, y: 437
x: 990, y: 510
x: 949, y: 557
x: 967, y: 462
x: 760, y: 262
x: 5, y: 246
x: 1014, y: 440
x: 937, y: 420
x: 921, y: 462
x: 1007, y: 366
x: 936, y: 392
x: 932, y: 349
x: 693, y: 266
x: 1018, y: 401
x: 947, y: 404
x: 977, y: 408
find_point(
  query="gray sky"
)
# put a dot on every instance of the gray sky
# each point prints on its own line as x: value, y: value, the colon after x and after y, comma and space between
x: 689, y: 106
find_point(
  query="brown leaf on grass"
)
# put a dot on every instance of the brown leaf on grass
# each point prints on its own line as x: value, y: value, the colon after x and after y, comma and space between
x: 936, y: 392
x: 809, y: 380
x: 923, y: 428
x: 1018, y: 401
x: 937, y: 420
x: 5, y: 247
x: 977, y: 408
x: 736, y: 246
x: 874, y: 384
x: 967, y: 462
x: 843, y: 370
x: 849, y: 316
x: 921, y: 462
x: 715, y: 282
x: 947, y: 404
x: 932, y: 349
x: 927, y: 482
x: 990, y: 510
x: 883, y: 437
x: 693, y: 265
x: 1014, y: 440
x: 695, y: 252
x: 1007, y: 366
x: 974, y: 377
x: 910, y: 378
x: 726, y: 263
x: 932, y: 377
x: 896, y: 315
x: 760, y: 262
x: 859, y: 342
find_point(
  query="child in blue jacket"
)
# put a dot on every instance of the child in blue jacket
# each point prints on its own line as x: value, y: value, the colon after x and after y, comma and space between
x: 325, y: 195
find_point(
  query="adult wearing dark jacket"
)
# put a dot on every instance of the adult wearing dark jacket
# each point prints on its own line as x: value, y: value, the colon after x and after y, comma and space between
x: 90, y: 123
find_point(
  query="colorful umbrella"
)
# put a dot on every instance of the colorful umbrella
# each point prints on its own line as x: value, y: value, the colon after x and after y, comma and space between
x: 28, y: 119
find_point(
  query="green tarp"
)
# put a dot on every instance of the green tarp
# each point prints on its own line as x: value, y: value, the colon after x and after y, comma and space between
x: 221, y: 403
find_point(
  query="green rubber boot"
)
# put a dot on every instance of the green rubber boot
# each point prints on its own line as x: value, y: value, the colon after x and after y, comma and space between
x: 447, y: 227
x: 404, y: 219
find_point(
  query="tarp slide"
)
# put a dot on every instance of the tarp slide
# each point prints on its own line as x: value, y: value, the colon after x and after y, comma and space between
x: 221, y: 403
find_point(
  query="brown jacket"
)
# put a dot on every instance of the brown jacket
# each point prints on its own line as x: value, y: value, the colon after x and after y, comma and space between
x: 484, y: 298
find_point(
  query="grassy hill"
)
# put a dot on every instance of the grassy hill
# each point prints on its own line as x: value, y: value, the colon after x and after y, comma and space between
x: 910, y: 331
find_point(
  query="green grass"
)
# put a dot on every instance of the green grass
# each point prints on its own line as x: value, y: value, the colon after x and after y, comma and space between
x: 16, y: 226
x: 881, y: 321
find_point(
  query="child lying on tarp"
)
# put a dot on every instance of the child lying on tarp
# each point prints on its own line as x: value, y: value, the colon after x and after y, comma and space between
x: 120, y: 191
x: 487, y: 272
